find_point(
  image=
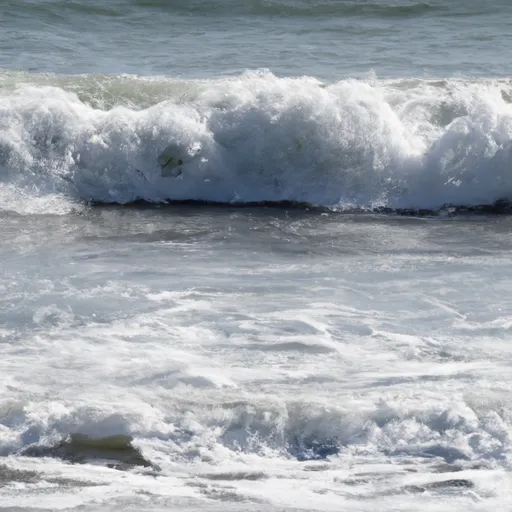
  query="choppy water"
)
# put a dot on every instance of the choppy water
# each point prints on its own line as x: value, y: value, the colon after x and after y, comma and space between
x: 310, y: 355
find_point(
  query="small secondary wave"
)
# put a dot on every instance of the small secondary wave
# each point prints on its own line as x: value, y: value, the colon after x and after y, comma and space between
x: 402, y: 145
x: 453, y: 433
x: 127, y: 11
x: 294, y: 8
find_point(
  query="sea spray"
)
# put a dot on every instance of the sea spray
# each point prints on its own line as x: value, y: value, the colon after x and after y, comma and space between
x: 406, y: 144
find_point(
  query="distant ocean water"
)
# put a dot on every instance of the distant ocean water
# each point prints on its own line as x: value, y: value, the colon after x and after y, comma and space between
x: 328, y: 39
x: 211, y: 298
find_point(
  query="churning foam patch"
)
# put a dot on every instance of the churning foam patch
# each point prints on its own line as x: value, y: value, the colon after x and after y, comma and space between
x: 256, y: 137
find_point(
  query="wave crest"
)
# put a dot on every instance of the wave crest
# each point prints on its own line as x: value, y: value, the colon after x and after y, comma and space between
x: 406, y: 144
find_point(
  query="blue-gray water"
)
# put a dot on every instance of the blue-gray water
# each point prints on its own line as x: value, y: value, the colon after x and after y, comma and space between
x: 328, y: 39
x: 211, y: 354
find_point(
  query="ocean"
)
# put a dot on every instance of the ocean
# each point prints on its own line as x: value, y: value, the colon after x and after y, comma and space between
x: 255, y: 255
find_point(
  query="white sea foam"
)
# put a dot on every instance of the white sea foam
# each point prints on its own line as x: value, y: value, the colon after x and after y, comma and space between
x: 232, y: 407
x: 403, y: 144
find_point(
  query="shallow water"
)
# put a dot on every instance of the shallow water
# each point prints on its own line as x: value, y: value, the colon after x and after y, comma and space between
x: 284, y: 358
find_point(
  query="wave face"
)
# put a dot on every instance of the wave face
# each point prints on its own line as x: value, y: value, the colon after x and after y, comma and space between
x: 255, y: 137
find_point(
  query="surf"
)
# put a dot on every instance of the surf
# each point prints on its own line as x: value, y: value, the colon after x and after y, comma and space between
x: 380, y: 145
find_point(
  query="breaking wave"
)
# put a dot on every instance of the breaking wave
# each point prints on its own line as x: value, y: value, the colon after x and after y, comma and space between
x: 354, y: 144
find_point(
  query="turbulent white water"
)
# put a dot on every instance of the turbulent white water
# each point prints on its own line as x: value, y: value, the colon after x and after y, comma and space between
x: 317, y: 362
x: 364, y: 144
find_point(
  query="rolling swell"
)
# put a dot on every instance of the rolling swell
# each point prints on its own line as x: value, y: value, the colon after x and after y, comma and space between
x: 293, y: 8
x: 55, y: 11
x: 408, y: 146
